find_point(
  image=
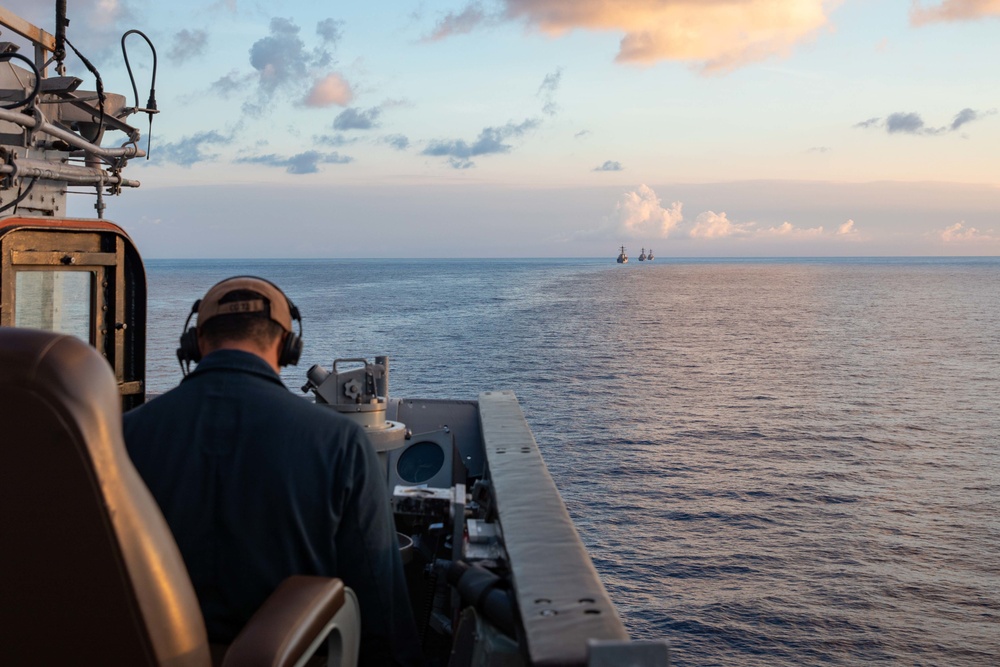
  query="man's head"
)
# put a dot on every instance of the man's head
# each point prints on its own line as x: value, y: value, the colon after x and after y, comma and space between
x: 250, y: 314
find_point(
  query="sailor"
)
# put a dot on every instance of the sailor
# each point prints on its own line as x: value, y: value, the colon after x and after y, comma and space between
x: 258, y: 484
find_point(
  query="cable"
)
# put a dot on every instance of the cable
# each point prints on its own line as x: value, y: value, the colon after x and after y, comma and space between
x: 100, y: 86
x: 20, y: 197
x: 5, y: 57
x: 151, y: 103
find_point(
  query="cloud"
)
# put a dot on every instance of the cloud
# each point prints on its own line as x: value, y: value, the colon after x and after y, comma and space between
x: 329, y: 90
x: 639, y: 214
x: 953, y: 10
x: 357, y: 119
x: 712, y: 225
x: 903, y: 122
x: 547, y: 92
x: 909, y: 123
x: 609, y: 165
x: 960, y: 233
x: 847, y: 229
x: 964, y: 116
x: 819, y: 149
x: 490, y: 141
x: 188, y: 44
x: 282, y: 64
x: 232, y: 83
x: 330, y: 31
x: 192, y: 149
x: 714, y: 36
x: 460, y: 23
x: 302, y: 163
x: 280, y: 57
x: 788, y: 230
x: 335, y: 140
x: 397, y: 141
x: 581, y: 134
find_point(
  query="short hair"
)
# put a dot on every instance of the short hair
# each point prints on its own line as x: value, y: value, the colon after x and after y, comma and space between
x: 257, y: 327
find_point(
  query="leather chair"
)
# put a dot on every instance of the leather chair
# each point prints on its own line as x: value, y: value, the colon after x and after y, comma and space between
x: 89, y: 571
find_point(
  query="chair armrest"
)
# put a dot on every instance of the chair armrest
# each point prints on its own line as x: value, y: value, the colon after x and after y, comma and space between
x: 293, y: 622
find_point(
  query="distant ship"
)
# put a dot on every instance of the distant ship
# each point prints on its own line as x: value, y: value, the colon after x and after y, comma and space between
x: 642, y: 257
x: 623, y: 258
x: 650, y: 255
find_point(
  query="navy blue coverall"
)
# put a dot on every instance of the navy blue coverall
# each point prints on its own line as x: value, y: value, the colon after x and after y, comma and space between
x: 258, y: 484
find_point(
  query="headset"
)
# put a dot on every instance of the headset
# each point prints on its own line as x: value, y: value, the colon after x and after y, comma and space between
x: 291, y: 349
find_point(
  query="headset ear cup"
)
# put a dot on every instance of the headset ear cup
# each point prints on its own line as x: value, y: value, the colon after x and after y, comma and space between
x: 189, y: 350
x: 292, y: 351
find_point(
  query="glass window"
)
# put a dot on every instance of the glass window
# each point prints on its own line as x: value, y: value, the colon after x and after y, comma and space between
x: 55, y: 301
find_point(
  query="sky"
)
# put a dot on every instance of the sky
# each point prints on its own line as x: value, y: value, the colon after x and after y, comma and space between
x: 551, y: 128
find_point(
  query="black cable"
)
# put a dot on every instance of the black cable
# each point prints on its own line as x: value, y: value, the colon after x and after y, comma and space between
x: 100, y: 87
x: 20, y: 197
x: 5, y: 57
x: 60, y: 53
x: 151, y: 103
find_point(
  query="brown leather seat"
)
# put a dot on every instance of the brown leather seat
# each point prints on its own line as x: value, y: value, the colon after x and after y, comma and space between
x: 91, y: 574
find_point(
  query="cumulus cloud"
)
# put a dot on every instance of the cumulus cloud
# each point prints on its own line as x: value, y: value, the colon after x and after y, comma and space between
x: 329, y: 90
x: 357, y: 119
x: 712, y: 225
x: 188, y: 44
x: 610, y: 165
x: 547, y: 92
x: 714, y: 36
x: 639, y: 214
x: 302, y: 163
x: 953, y: 10
x: 281, y: 56
x: 960, y: 233
x: 847, y: 229
x: 908, y: 122
x: 490, y: 141
x: 192, y: 149
x: 282, y: 64
x: 788, y: 230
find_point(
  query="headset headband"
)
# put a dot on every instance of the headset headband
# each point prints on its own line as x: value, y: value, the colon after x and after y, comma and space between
x: 278, y: 309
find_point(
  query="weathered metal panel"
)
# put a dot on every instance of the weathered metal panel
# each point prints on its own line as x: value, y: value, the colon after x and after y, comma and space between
x: 560, y: 596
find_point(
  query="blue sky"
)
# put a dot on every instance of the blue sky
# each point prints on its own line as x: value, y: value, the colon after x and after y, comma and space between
x: 554, y: 128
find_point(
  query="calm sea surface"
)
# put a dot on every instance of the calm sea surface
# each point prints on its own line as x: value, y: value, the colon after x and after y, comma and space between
x: 772, y: 462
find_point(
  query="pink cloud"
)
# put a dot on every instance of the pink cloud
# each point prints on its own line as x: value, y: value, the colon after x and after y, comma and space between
x: 954, y: 10
x: 959, y: 232
x: 716, y: 36
x: 640, y: 213
x: 328, y: 91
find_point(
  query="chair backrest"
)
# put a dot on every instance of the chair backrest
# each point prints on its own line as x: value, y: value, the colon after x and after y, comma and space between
x: 89, y: 571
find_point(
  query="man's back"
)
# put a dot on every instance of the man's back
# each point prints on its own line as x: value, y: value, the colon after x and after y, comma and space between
x: 257, y: 485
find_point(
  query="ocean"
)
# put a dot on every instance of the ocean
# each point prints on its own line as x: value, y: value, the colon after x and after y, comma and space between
x: 771, y: 462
